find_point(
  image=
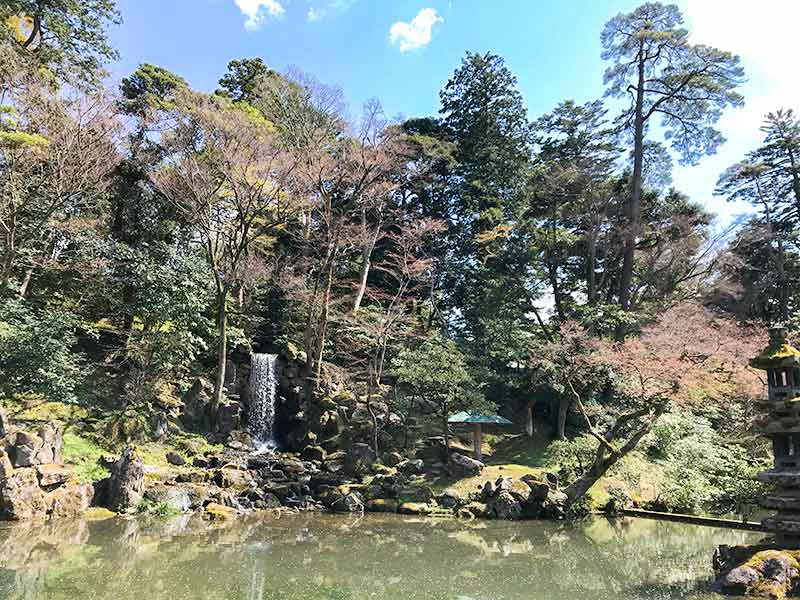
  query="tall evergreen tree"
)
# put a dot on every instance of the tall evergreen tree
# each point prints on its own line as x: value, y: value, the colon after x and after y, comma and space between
x: 664, y: 75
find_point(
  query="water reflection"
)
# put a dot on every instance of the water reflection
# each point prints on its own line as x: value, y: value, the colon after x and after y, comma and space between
x: 337, y: 558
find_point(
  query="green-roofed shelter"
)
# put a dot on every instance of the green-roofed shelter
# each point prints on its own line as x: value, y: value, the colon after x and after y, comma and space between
x: 477, y: 420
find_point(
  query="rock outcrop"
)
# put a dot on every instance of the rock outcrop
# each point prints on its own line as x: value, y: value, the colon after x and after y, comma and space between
x: 34, y: 484
x: 525, y: 498
x: 124, y: 489
x: 464, y: 466
x: 757, y: 571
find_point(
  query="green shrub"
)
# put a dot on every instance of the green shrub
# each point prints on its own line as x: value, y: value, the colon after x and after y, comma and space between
x: 37, y: 352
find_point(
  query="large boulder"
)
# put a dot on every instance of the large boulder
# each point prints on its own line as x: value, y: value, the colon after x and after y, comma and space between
x: 42, y: 447
x: 313, y: 452
x: 125, y: 487
x: 554, y: 506
x: 53, y: 475
x: 69, y: 500
x: 392, y: 459
x: 449, y: 498
x: 411, y: 467
x: 768, y: 573
x: 414, y: 508
x: 180, y: 497
x: 236, y: 479
x: 385, y: 505
x: 228, y: 418
x: 290, y: 466
x: 21, y: 498
x: 505, y: 506
x: 6, y: 468
x: 175, y: 459
x: 25, y: 452
x: 464, y: 466
x: 539, y: 489
x: 360, y: 458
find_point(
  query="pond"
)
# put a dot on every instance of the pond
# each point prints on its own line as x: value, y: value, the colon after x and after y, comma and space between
x: 329, y: 557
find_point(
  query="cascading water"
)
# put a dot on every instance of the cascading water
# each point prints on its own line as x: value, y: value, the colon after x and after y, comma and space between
x: 263, y: 387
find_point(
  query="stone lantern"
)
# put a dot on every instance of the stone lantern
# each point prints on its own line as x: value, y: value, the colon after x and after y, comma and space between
x: 781, y: 423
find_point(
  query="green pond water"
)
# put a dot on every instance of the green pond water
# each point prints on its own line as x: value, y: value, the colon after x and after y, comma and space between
x: 333, y: 557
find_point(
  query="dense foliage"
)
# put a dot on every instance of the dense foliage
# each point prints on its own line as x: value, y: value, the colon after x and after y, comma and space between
x: 475, y: 259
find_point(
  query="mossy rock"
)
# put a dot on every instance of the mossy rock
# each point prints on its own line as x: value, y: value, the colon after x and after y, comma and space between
x: 380, y: 469
x: 218, y: 512
x: 382, y: 505
x: 317, y: 453
x: 771, y: 573
x: 414, y: 508
x: 477, y: 509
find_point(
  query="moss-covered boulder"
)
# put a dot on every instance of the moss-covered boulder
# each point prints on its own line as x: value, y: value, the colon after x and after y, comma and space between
x: 313, y: 452
x: 414, y: 508
x: 218, y: 512
x: 382, y: 505
x: 757, y: 572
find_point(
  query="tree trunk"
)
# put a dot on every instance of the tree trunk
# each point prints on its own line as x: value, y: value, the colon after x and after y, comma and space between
x: 558, y: 301
x: 476, y: 441
x: 446, y: 431
x: 366, y: 256
x: 322, y: 328
x: 406, y: 420
x: 783, y: 292
x: 795, y: 179
x: 371, y: 410
x: 222, y: 351
x: 633, y: 208
x: 605, y: 459
x: 26, y: 283
x: 530, y: 427
x: 561, y: 417
x: 591, y: 261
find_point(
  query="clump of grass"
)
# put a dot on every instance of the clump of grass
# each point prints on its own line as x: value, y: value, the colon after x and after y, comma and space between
x: 156, y: 509
x: 83, y: 455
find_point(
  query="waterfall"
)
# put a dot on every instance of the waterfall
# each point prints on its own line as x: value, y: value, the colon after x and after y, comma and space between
x: 263, y: 386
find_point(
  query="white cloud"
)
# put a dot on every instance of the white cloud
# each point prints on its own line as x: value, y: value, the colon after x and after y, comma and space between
x: 314, y: 14
x: 417, y: 33
x: 765, y: 39
x: 257, y: 11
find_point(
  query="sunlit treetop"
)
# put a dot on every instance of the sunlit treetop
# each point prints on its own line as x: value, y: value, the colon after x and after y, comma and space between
x: 68, y: 38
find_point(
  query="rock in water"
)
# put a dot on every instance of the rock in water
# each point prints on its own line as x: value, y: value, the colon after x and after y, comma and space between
x: 21, y: 498
x: 414, y: 508
x: 69, y: 500
x: 505, y: 506
x: 126, y: 484
x: 770, y: 573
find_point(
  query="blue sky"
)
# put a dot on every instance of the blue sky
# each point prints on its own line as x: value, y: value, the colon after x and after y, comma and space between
x: 403, y: 51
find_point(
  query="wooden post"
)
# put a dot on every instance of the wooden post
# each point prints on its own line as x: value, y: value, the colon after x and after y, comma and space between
x: 476, y: 441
